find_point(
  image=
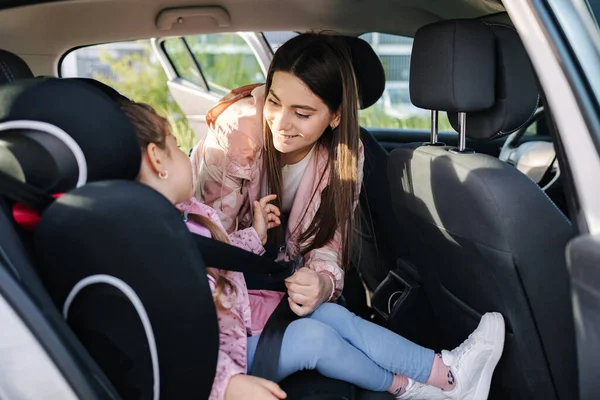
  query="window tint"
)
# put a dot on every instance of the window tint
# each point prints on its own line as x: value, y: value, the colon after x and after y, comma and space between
x: 394, y: 109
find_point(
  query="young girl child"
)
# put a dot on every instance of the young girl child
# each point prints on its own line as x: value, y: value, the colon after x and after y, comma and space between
x: 331, y: 339
x: 167, y: 169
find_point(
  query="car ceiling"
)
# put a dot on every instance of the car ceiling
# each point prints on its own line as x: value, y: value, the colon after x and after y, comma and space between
x: 43, y: 32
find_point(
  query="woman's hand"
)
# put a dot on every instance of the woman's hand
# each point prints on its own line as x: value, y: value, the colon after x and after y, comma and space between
x: 307, y: 290
x: 248, y: 387
x: 266, y: 216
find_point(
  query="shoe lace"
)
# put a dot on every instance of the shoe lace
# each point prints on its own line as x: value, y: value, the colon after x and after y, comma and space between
x: 463, y: 349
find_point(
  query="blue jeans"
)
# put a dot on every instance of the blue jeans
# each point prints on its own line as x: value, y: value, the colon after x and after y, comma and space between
x: 342, y: 346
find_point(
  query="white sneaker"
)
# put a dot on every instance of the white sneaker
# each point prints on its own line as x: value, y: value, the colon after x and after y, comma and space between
x: 419, y: 391
x: 474, y: 361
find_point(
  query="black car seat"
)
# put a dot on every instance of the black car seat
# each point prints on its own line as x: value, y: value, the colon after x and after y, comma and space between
x: 379, y: 243
x: 84, y: 375
x: 13, y: 68
x: 29, y: 153
x: 488, y: 239
x: 106, y: 316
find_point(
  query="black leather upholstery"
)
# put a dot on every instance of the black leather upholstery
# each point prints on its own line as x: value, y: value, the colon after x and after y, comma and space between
x: 491, y: 240
x: 13, y: 68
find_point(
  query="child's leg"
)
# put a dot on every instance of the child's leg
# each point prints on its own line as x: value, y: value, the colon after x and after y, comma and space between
x: 387, y: 349
x: 310, y: 344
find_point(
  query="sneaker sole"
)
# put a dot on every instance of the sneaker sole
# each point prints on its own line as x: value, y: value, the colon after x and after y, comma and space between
x: 483, y: 386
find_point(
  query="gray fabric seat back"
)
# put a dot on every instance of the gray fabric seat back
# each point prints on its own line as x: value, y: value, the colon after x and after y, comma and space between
x: 486, y: 237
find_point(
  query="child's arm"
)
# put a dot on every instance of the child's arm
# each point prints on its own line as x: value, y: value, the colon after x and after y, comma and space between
x: 266, y: 216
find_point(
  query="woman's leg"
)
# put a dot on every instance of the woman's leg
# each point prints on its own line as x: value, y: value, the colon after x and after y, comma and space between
x: 387, y: 349
x: 310, y: 344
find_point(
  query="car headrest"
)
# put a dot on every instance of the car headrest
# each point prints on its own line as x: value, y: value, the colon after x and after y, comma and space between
x: 453, y: 67
x: 118, y: 260
x: 475, y: 67
x: 368, y: 69
x: 517, y: 94
x: 13, y: 68
x: 57, y: 134
x: 109, y: 91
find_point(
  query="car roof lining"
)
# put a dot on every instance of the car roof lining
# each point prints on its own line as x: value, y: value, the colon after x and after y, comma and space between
x: 43, y: 32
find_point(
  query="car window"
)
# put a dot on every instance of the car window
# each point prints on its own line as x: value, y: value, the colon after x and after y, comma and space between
x: 277, y: 38
x: 394, y: 109
x: 225, y: 60
x: 182, y: 60
x: 133, y: 70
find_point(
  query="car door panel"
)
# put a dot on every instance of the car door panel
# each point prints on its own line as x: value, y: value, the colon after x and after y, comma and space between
x: 194, y: 103
x: 583, y: 258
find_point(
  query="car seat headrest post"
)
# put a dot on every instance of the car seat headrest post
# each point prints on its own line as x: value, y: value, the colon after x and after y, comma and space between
x: 462, y: 136
x: 433, y: 136
x: 434, y: 127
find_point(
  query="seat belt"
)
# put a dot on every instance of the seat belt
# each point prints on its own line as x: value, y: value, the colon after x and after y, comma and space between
x: 268, y: 348
x: 260, y: 272
x: 17, y: 190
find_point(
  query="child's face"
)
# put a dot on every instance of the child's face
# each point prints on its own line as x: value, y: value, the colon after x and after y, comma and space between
x: 180, y: 171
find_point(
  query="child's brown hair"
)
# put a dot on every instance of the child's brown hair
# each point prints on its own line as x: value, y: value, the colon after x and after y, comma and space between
x: 152, y: 128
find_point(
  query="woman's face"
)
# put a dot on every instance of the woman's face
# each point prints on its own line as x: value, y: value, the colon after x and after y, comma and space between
x: 296, y: 116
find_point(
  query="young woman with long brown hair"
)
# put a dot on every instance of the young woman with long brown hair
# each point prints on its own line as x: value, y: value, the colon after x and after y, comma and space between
x: 297, y: 137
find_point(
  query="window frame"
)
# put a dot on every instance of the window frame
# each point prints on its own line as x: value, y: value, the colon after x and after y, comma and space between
x: 254, y: 40
x: 162, y: 42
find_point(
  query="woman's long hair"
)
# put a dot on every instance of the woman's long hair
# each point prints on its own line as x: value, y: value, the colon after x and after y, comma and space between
x: 323, y: 62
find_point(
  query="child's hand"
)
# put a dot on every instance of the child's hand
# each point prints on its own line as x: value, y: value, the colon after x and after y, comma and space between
x: 248, y: 387
x: 266, y: 216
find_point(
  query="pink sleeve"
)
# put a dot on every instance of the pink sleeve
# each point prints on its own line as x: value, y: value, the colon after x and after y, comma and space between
x: 225, y: 160
x: 326, y: 260
x: 248, y: 240
x: 213, y: 186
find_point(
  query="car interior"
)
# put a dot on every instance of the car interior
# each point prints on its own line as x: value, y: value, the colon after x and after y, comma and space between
x: 452, y: 223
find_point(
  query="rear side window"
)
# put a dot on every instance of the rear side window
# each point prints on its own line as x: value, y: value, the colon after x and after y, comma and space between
x: 133, y: 70
x: 276, y: 38
x: 224, y: 60
x: 129, y: 67
x: 182, y: 60
x: 394, y: 109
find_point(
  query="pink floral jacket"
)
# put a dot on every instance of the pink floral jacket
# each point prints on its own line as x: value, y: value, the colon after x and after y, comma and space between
x: 228, y: 168
x: 235, y: 322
